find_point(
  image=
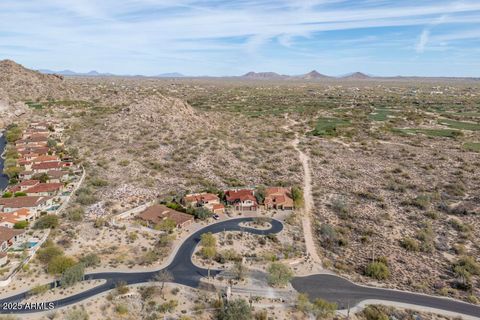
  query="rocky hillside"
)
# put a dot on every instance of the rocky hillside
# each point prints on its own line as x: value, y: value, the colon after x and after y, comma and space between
x: 19, y: 83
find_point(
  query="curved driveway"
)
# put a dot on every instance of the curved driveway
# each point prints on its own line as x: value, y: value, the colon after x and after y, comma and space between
x: 347, y: 294
x: 182, y: 268
x: 329, y: 287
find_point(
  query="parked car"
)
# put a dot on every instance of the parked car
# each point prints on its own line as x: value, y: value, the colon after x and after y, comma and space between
x: 216, y: 216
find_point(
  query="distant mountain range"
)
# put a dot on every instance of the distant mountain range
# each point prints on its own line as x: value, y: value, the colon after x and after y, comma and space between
x: 312, y: 76
x: 93, y: 73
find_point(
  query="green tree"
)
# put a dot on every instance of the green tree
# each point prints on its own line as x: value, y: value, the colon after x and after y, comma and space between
x: 7, y: 194
x: 12, y: 172
x: 208, y: 252
x: 297, y: 196
x: 208, y: 240
x: 14, y: 133
x: 72, y: 275
x: 20, y: 194
x: 237, y: 309
x: 59, y: 264
x: 202, y: 213
x: 167, y: 225
x: 47, y: 221
x: 279, y: 274
x: 21, y: 224
x: 260, y: 194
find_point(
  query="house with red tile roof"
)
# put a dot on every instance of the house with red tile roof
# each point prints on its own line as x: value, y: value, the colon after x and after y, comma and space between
x: 45, y: 158
x: 9, y: 237
x: 158, y: 213
x: 57, y: 176
x: 201, y: 199
x: 10, y: 219
x: 26, y: 175
x: 242, y: 199
x: 34, y: 204
x: 44, y: 167
x: 45, y: 189
x: 22, y: 186
x: 278, y: 198
x: 218, y: 208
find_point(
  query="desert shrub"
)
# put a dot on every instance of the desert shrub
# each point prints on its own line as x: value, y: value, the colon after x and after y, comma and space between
x: 377, y: 270
x: 47, y: 253
x: 469, y: 264
x: 237, y: 309
x: 279, y: 274
x: 77, y: 314
x: 75, y: 214
x: 410, y: 244
x: 328, y: 236
x: 374, y: 313
x: 72, y: 275
x: 323, y: 308
x: 39, y: 289
x: 60, y: 264
x: 47, y: 221
x: 340, y: 207
x: 168, y: 306
x: 90, y: 260
x: 121, y: 309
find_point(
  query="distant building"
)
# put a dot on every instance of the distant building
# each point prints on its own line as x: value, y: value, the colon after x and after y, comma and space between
x: 241, y: 199
x: 34, y: 204
x: 158, y: 213
x: 9, y: 237
x: 278, y: 198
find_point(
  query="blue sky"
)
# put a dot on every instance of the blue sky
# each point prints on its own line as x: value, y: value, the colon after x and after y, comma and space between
x: 215, y: 37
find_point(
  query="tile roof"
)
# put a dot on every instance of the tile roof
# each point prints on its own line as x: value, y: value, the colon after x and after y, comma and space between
x: 6, y: 234
x: 45, y: 187
x: 48, y: 165
x: 157, y: 213
x: 23, y: 202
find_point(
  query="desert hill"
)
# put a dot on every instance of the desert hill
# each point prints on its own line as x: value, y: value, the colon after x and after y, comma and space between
x: 313, y: 75
x: 19, y: 83
x: 357, y: 76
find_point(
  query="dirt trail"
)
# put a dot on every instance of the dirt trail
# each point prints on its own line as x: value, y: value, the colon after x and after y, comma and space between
x: 308, y: 199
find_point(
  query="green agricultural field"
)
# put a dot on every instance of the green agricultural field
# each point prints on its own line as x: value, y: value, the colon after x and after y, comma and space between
x: 328, y: 126
x: 472, y: 146
x: 460, y: 125
x: 445, y: 133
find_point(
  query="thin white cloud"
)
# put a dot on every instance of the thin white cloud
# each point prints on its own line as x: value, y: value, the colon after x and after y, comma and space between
x: 422, y: 41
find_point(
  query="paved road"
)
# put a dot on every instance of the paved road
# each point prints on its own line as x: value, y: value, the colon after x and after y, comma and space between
x: 329, y: 287
x: 346, y: 293
x: 182, y: 268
